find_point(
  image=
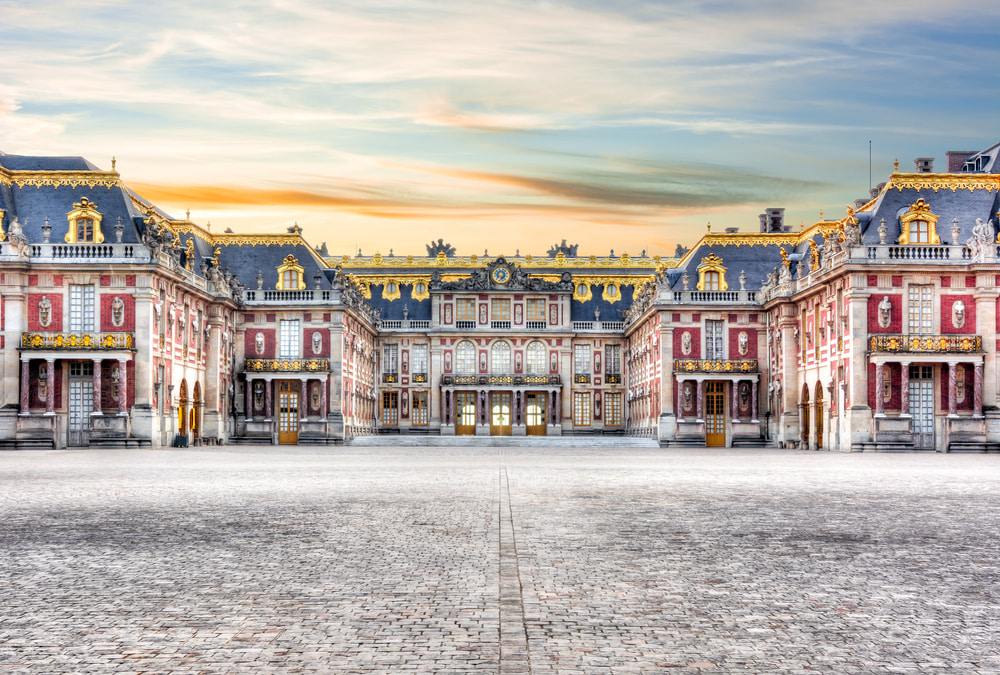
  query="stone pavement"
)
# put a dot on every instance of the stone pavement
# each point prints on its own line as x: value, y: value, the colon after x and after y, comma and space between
x: 486, y: 560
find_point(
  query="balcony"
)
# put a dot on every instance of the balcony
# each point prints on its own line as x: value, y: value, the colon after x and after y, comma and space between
x: 581, y: 378
x: 78, y: 341
x: 257, y: 297
x: 499, y: 324
x: 465, y: 325
x: 613, y: 378
x: 599, y: 326
x: 715, y: 366
x: 926, y: 344
x: 287, y: 365
x: 501, y: 379
x: 390, y: 378
x: 404, y: 324
x: 419, y: 378
x: 535, y: 325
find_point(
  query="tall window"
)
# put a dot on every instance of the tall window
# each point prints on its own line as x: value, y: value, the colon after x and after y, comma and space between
x: 920, y: 232
x: 289, y: 341
x: 536, y: 357
x: 536, y: 309
x: 581, y: 409
x: 613, y: 361
x: 711, y: 281
x: 715, y: 346
x: 418, y: 364
x: 290, y: 279
x: 581, y: 359
x: 390, y: 408
x: 501, y: 309
x: 921, y: 308
x: 81, y: 309
x: 85, y: 229
x: 465, y: 358
x: 612, y: 410
x: 465, y: 309
x: 500, y: 358
x: 419, y: 409
x: 390, y: 359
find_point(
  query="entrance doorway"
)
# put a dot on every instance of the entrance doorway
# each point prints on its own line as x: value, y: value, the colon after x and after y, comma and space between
x: 288, y: 412
x: 465, y: 411
x: 922, y: 405
x: 500, y: 413
x: 819, y: 416
x: 535, y: 409
x: 804, y: 417
x: 196, y: 413
x: 715, y: 414
x: 81, y: 401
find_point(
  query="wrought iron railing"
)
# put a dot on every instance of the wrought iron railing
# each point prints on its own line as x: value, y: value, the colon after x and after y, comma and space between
x: 390, y: 378
x: 516, y: 380
x: 419, y: 377
x: 581, y: 378
x: 613, y: 378
x: 287, y: 365
x: 941, y: 344
x: 715, y: 365
x: 77, y: 341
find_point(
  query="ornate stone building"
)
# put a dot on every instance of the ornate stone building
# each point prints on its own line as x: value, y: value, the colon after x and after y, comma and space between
x: 123, y: 326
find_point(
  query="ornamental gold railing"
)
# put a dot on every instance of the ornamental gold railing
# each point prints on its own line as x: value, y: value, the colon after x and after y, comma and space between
x: 99, y: 341
x: 939, y: 344
x: 715, y: 365
x: 504, y: 379
x: 287, y: 365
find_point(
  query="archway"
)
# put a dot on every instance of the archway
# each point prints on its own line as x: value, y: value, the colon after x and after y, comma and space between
x: 804, y: 416
x: 819, y: 415
x: 182, y: 404
x: 196, y: 411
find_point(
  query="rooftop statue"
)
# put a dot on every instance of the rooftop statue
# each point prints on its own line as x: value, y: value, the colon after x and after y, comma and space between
x: 438, y: 247
x: 568, y: 251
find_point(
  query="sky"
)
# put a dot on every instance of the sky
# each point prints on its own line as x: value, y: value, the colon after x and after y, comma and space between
x: 500, y: 127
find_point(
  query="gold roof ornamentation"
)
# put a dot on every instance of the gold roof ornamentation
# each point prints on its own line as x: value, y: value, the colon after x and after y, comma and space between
x: 58, y: 179
x: 945, y: 181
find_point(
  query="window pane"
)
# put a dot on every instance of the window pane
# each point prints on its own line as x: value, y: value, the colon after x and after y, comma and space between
x: 289, y: 341
x: 465, y: 358
x: 500, y: 358
x: 536, y: 358
x: 581, y: 359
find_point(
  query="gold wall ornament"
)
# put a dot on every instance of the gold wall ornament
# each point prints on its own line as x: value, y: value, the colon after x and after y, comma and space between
x: 86, y: 216
x: 291, y: 275
x: 526, y: 262
x: 945, y: 181
x: 3, y: 237
x: 814, y: 255
x: 57, y: 179
x: 919, y: 212
x: 606, y: 281
x: 581, y: 291
x: 712, y: 264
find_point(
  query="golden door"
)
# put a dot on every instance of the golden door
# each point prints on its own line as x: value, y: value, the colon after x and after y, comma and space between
x: 715, y: 414
x: 535, y: 413
x: 465, y: 413
x: 500, y: 413
x: 288, y: 412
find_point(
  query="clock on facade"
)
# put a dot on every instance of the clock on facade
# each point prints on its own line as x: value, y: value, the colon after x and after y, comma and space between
x: 501, y: 275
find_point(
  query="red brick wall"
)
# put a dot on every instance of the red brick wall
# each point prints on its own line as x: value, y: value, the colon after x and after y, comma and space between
x: 734, y: 343
x: 57, y: 315
x: 947, y: 324
x: 33, y: 399
x: 128, y: 323
x: 895, y: 314
x: 695, y: 342
x: 109, y: 389
x: 871, y: 386
x: 970, y: 387
x: 307, y: 348
x: 250, y: 343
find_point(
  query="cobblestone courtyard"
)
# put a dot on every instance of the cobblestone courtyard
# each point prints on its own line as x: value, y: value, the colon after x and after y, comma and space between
x: 498, y: 560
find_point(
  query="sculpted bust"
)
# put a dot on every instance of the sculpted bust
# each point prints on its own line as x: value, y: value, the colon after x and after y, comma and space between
x: 958, y: 314
x: 884, y: 312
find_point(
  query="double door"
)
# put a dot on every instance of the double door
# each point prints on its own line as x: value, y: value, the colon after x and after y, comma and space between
x: 465, y: 413
x: 922, y: 405
x: 715, y: 414
x: 500, y: 424
x: 535, y: 413
x: 289, y: 399
x: 81, y: 405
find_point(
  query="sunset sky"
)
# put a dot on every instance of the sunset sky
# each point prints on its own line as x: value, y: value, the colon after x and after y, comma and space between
x: 499, y: 125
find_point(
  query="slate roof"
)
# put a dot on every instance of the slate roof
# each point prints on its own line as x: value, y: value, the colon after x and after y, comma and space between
x: 31, y: 163
x: 961, y: 205
x: 419, y: 310
x: 757, y: 260
x: 245, y: 260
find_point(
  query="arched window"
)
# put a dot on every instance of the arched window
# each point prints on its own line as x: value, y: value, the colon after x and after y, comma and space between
x: 500, y: 358
x: 290, y: 279
x: 711, y: 281
x: 918, y: 225
x: 465, y: 358
x: 290, y: 275
x: 537, y: 363
x: 84, y: 223
x: 712, y: 274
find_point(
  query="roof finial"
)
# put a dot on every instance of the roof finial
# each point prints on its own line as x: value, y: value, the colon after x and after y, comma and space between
x: 710, y: 227
x: 208, y: 225
x: 895, y: 166
x: 187, y: 214
x: 821, y: 214
x: 113, y: 161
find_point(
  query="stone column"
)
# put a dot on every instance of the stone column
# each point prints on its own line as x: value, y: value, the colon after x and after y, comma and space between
x: 324, y: 384
x: 879, y: 390
x: 50, y: 390
x: 905, y: 386
x: 25, y: 383
x: 700, y: 404
x: 736, y: 399
x: 97, y: 387
x: 753, y: 400
x: 268, y: 385
x: 952, y: 386
x: 978, y: 390
x: 122, y: 387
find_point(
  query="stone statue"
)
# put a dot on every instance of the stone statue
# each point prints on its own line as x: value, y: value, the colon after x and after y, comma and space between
x: 317, y: 342
x: 686, y: 343
x: 259, y: 343
x: 885, y: 312
x: 744, y: 343
x: 958, y: 314
x: 117, y: 312
x: 45, y: 311
x: 981, y: 244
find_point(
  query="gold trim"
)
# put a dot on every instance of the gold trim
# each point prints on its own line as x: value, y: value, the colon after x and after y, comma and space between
x: 84, y: 209
x: 291, y: 264
x: 604, y: 281
x: 582, y: 296
x: 945, y: 181
x: 57, y: 179
x: 712, y: 263
x: 365, y: 283
x: 474, y: 262
x: 3, y: 237
x: 919, y: 211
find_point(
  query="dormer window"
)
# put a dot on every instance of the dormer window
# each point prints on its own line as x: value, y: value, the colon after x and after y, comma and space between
x: 290, y: 276
x: 918, y: 226
x: 84, y: 224
x: 711, y: 281
x: 711, y: 274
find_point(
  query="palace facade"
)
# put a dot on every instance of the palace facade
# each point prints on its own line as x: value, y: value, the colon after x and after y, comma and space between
x: 123, y: 326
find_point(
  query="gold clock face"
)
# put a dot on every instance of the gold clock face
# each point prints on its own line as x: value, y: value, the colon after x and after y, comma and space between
x: 501, y: 275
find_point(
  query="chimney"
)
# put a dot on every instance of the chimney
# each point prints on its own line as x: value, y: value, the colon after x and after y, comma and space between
x: 956, y: 158
x: 732, y: 230
x: 858, y: 203
x: 763, y: 222
x: 775, y: 219
x: 924, y: 164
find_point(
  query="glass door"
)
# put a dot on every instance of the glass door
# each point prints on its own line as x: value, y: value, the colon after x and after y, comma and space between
x: 288, y: 412
x: 715, y: 414
x: 500, y: 413
x: 535, y: 409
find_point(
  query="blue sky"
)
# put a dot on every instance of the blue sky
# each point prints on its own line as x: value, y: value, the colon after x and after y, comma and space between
x: 504, y: 125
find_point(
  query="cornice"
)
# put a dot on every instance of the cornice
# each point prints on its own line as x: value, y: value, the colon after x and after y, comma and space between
x: 945, y: 181
x: 57, y: 179
x: 527, y: 262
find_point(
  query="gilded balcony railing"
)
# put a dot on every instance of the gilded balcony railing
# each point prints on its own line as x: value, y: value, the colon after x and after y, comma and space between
x: 939, y: 344
x: 99, y: 341
x: 287, y: 365
x: 613, y: 378
x: 715, y: 365
x: 504, y: 379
